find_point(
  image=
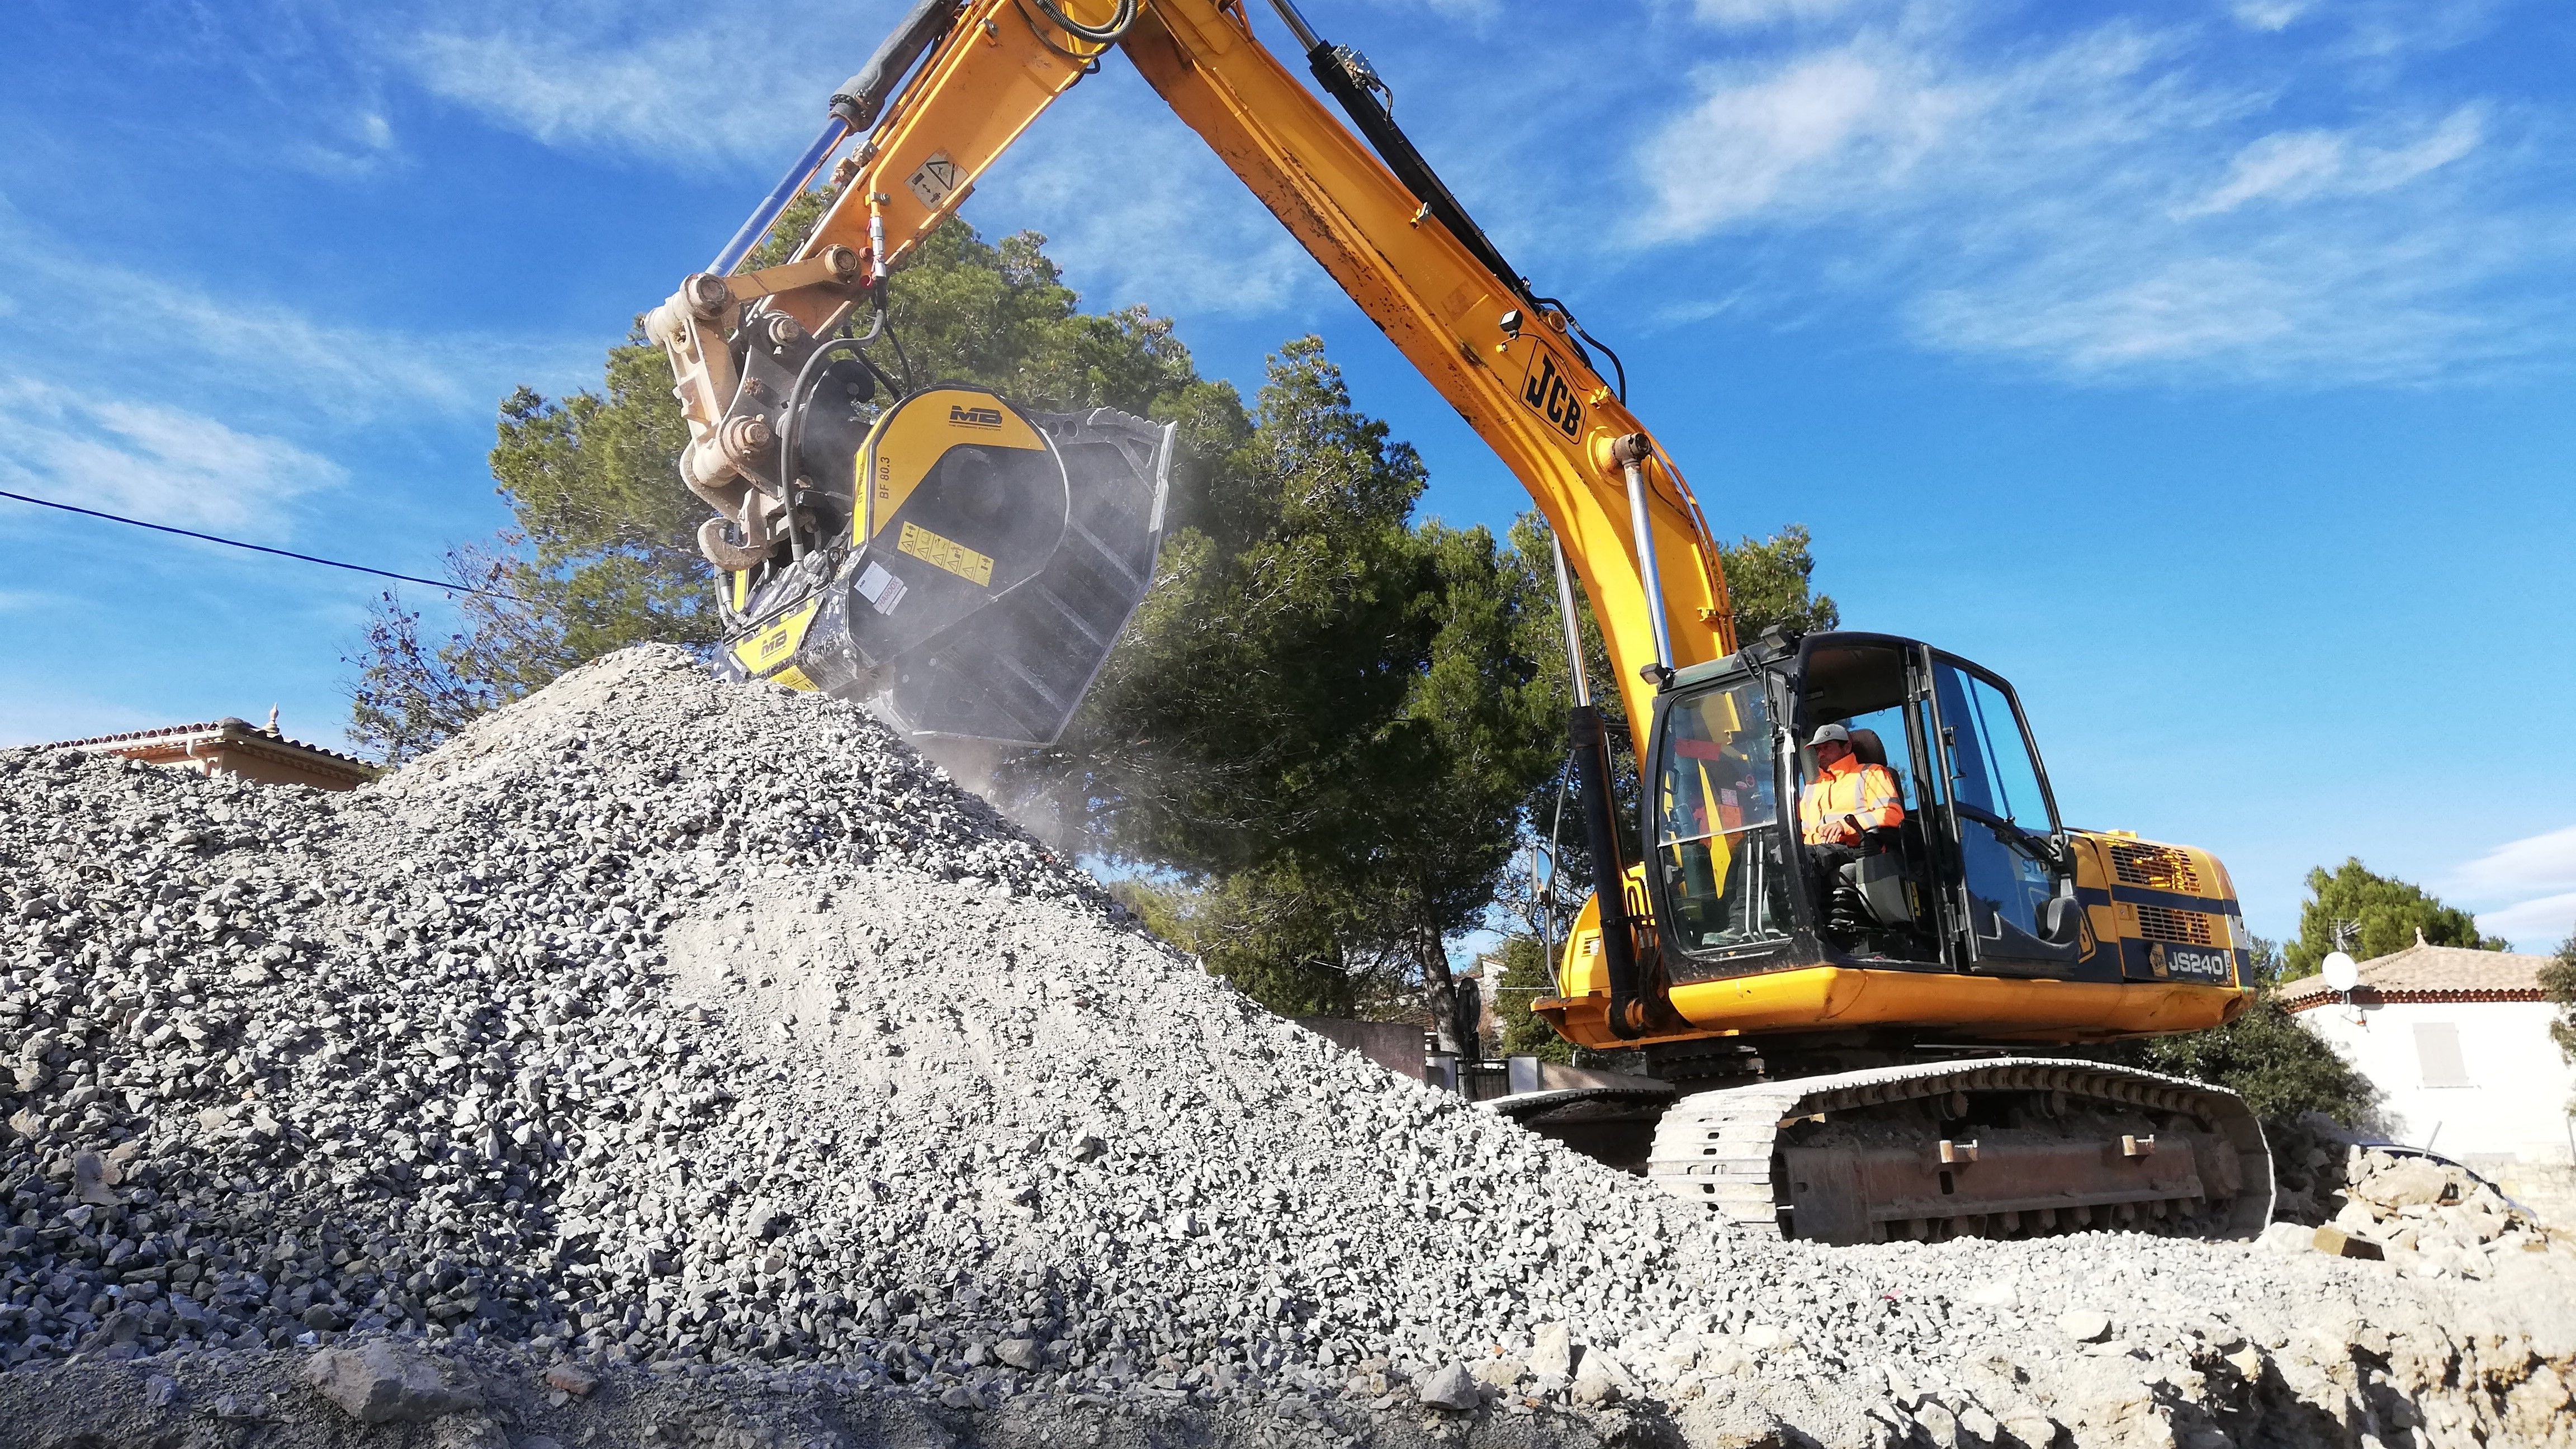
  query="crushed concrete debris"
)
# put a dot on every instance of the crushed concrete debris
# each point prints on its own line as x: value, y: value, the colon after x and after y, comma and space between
x: 702, y: 1044
x: 2429, y: 1219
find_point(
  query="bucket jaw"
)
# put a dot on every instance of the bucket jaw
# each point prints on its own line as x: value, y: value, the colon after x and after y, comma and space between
x: 992, y: 556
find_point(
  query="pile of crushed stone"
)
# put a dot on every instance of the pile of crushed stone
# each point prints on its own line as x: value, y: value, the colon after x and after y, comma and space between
x: 666, y: 1029
x: 2422, y: 1216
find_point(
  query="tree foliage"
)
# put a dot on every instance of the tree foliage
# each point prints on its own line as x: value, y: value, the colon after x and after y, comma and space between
x: 1769, y: 582
x: 412, y: 693
x: 1322, y: 719
x: 1527, y: 975
x: 2357, y: 910
x: 2558, y: 985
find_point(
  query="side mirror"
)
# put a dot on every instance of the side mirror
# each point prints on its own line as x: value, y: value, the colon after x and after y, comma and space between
x: 2060, y: 919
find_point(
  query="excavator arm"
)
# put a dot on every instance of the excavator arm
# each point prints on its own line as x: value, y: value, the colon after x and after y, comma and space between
x: 1507, y: 359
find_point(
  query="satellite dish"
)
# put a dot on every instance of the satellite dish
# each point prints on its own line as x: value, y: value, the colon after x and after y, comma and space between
x: 2342, y: 972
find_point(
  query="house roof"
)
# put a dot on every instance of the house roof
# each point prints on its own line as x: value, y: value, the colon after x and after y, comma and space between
x: 225, y: 731
x: 2425, y: 972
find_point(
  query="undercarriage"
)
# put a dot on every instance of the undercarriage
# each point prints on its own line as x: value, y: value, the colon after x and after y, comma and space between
x: 2005, y: 1147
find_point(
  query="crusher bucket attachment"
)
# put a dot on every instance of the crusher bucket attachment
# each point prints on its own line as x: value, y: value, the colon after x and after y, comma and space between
x: 992, y: 558
x: 2002, y: 1148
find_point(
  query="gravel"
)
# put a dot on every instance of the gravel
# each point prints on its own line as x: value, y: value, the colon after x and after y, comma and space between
x: 703, y: 1041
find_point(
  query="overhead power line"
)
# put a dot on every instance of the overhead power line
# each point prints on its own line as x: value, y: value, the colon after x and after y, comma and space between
x: 263, y: 548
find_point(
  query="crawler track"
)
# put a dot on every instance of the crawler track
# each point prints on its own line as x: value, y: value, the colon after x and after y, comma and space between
x: 2011, y: 1147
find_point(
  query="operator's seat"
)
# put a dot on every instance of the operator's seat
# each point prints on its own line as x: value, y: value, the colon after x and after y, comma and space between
x: 1880, y: 878
x: 1866, y: 745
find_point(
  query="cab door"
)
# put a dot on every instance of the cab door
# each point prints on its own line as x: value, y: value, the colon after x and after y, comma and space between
x: 2013, y: 865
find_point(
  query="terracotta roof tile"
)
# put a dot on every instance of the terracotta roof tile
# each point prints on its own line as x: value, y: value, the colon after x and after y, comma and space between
x: 2432, y: 968
x: 228, y: 730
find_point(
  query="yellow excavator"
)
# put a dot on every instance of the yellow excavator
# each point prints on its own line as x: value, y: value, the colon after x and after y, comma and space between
x: 1843, y: 1040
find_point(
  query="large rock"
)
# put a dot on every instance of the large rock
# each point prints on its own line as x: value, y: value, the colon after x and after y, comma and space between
x: 384, y: 1384
x: 1552, y: 1353
x: 2407, y: 1182
x: 1602, y: 1379
x: 2085, y: 1325
x: 2289, y: 1237
x: 1449, y: 1388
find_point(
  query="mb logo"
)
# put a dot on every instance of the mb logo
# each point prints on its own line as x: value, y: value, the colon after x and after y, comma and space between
x: 962, y: 416
x: 1545, y: 390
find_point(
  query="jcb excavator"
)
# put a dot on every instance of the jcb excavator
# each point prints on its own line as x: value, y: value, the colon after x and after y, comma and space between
x: 1836, y: 1039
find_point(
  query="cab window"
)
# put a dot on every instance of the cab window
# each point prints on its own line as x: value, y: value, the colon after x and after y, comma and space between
x: 2007, y: 857
x: 1716, y: 809
x: 1990, y: 762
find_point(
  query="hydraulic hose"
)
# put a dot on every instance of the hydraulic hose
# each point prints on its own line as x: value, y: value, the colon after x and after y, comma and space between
x: 809, y: 377
x: 1109, y: 34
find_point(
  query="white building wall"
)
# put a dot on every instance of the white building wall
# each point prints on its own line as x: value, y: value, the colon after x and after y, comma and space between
x: 2518, y: 1085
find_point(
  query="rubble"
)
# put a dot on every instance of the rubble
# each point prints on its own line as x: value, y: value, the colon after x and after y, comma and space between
x: 702, y: 1044
x: 2425, y: 1217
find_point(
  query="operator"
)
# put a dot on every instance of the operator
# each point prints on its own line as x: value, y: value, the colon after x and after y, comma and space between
x: 1847, y: 797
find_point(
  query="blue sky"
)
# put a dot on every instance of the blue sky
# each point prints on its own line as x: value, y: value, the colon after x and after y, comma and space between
x: 2203, y: 367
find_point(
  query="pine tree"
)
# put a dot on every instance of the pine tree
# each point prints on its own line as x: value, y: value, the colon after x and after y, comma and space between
x: 2357, y: 910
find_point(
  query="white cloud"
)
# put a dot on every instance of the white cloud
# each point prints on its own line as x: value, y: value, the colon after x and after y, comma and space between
x: 2093, y: 202
x: 2535, y: 862
x: 2269, y: 14
x: 2535, y: 925
x: 1769, y: 143
x: 281, y: 363
x: 364, y: 147
x: 1749, y: 14
x: 1134, y: 206
x: 1891, y: 120
x: 155, y: 463
x: 722, y: 84
x: 2390, y: 30
x: 677, y: 96
x: 2536, y: 878
x: 2293, y: 166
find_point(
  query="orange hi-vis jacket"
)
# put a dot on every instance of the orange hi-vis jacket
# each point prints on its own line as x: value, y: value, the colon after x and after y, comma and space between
x: 1865, y: 792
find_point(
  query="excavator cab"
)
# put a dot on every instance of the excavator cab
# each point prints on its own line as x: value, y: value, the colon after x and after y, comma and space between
x: 1976, y: 875
x: 1974, y: 918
